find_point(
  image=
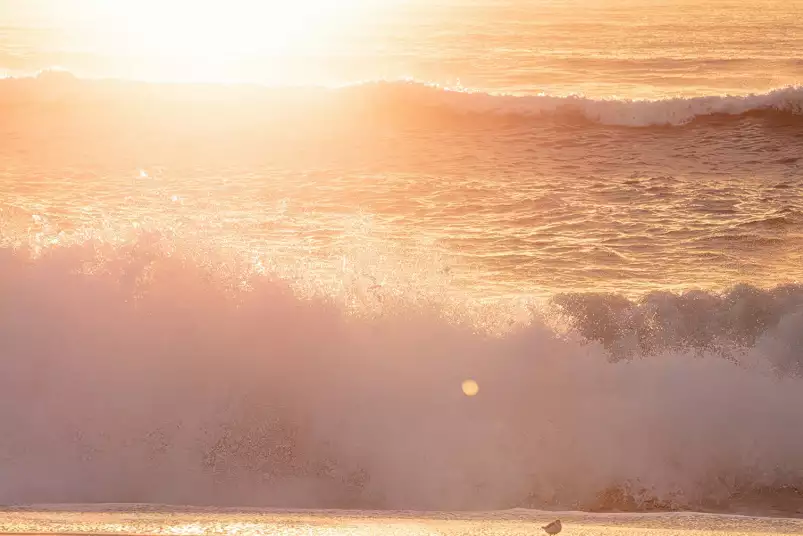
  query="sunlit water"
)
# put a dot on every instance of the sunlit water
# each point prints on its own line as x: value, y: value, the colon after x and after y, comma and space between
x: 276, y: 293
x: 599, y: 48
x: 514, y: 196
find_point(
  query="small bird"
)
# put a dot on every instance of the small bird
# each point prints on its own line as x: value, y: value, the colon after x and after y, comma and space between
x: 553, y: 528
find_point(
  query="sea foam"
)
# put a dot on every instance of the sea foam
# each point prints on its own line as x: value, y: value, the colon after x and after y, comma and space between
x: 182, y: 393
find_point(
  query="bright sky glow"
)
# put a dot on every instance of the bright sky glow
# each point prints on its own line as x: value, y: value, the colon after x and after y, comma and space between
x: 201, y: 40
x: 194, y: 28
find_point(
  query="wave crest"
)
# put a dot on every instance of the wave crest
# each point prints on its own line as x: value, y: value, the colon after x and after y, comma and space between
x: 699, y: 321
x: 617, y: 112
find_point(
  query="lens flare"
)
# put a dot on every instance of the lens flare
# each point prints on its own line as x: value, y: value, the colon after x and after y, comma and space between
x: 470, y: 388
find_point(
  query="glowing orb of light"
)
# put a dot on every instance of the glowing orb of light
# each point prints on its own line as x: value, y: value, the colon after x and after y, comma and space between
x: 470, y: 388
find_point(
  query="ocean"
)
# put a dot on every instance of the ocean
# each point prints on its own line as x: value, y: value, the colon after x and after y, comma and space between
x: 236, y: 272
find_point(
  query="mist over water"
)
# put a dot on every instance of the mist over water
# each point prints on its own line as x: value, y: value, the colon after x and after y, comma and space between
x: 187, y: 395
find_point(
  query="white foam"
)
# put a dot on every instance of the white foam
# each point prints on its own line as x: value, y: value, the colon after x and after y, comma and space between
x: 159, y: 519
x: 186, y: 396
x: 621, y: 112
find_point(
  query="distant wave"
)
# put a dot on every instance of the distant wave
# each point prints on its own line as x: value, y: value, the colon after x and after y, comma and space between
x: 422, y: 100
x: 619, y: 112
x: 179, y: 393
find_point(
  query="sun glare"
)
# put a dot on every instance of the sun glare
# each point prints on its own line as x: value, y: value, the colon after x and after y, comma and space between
x: 213, y: 39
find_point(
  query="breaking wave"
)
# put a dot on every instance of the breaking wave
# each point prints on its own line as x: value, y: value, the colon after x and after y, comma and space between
x: 183, y: 393
x: 618, y: 112
x: 410, y: 99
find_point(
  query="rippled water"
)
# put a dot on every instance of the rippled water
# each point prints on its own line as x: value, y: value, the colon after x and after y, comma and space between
x: 513, y: 200
x: 405, y: 181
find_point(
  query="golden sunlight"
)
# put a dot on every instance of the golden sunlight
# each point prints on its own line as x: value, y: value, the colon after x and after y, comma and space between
x: 214, y: 40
